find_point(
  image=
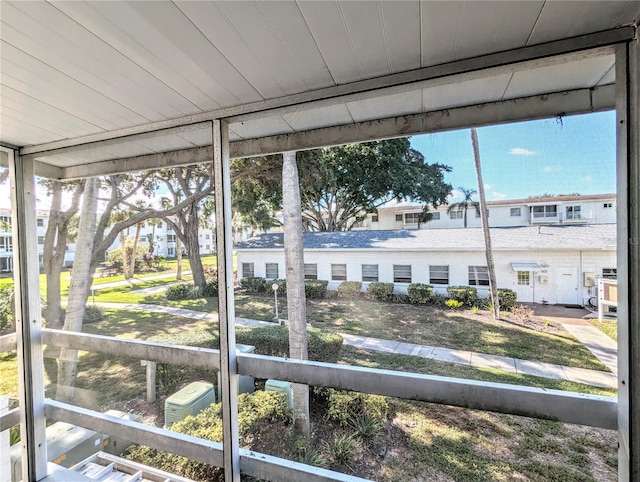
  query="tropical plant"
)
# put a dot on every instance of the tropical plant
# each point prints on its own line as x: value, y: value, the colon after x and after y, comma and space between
x: 466, y: 204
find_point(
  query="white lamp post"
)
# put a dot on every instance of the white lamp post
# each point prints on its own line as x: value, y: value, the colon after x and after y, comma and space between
x: 274, y: 287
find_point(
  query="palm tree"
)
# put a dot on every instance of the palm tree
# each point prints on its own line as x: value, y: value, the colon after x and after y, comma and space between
x: 465, y: 204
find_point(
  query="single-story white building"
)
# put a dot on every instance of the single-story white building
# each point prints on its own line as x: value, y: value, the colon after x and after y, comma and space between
x: 543, y: 264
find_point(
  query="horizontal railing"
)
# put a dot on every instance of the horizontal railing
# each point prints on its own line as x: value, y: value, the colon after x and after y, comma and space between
x: 567, y: 407
x: 9, y: 419
x: 8, y: 342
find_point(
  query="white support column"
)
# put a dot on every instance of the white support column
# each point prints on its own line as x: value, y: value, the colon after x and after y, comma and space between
x: 28, y: 322
x: 226, y: 312
x: 628, y: 163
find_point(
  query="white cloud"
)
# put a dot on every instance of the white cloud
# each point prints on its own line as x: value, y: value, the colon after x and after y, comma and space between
x: 455, y: 196
x: 521, y: 151
x: 587, y: 179
x: 551, y: 169
x: 488, y: 186
x: 497, y: 196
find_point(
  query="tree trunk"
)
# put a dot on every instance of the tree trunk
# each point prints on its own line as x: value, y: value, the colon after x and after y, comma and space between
x: 485, y: 228
x: 193, y: 246
x: 53, y: 258
x: 78, y: 288
x: 296, y: 302
x: 134, y: 252
x: 125, y: 255
x: 178, y: 258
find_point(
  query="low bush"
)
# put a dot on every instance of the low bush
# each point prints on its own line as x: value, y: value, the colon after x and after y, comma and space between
x: 399, y: 298
x: 521, y: 312
x: 7, y: 306
x: 379, y: 291
x: 179, y: 292
x: 349, y: 289
x: 467, y: 295
x: 507, y: 298
x: 282, y: 286
x: 257, y: 412
x: 419, y: 293
x: 210, y: 290
x: 315, y: 289
x: 453, y: 304
x: 92, y: 314
x: 343, y: 449
x: 254, y: 284
x: 438, y: 300
x: 343, y: 406
x: 274, y: 341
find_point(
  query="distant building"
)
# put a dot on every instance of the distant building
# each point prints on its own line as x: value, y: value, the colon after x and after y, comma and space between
x: 556, y: 264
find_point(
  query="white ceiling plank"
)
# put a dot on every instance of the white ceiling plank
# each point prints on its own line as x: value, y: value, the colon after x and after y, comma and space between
x: 216, y: 22
x: 313, y: 118
x: 401, y: 29
x: 112, y: 73
x: 179, y: 29
x: 569, y: 19
x: 387, y: 106
x: 329, y: 32
x: 439, y: 23
x: 20, y: 115
x: 40, y: 81
x: 363, y: 21
x: 573, y: 75
x: 471, y: 92
x: 119, y: 25
x: 609, y: 77
x: 269, y: 126
x: 13, y: 131
x: 494, y: 25
x: 166, y: 143
x: 198, y: 137
x: 289, y: 26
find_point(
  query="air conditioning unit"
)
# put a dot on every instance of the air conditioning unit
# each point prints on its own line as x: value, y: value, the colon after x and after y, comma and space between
x: 191, y: 400
x: 245, y: 382
x: 543, y: 280
x: 283, y: 387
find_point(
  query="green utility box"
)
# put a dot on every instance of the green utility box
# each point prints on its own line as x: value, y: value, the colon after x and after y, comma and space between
x: 191, y: 400
x: 280, y: 386
x: 245, y: 382
x: 66, y: 446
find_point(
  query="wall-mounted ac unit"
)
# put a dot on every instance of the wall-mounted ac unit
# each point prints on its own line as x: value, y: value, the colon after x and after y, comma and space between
x: 543, y: 279
x: 191, y: 400
x: 283, y: 387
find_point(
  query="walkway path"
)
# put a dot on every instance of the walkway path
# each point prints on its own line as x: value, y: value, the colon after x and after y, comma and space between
x: 481, y: 360
x: 135, y: 281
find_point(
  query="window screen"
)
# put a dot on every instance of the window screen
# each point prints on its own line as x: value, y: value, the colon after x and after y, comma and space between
x: 310, y: 271
x: 247, y: 270
x: 370, y: 272
x: 402, y: 273
x: 271, y: 270
x: 439, y: 275
x: 338, y: 272
x: 478, y: 276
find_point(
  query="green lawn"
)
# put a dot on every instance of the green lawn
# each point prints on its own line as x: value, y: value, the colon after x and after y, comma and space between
x: 609, y: 326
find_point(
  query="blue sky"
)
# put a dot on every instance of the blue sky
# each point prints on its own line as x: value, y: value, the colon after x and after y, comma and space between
x: 531, y: 158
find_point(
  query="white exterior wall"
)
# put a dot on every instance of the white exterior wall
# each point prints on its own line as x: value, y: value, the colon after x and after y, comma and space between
x: 564, y: 269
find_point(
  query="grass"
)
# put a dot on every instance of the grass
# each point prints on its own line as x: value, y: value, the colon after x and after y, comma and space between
x: 609, y: 326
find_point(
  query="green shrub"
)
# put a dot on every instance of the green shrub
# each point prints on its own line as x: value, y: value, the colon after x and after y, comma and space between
x: 419, y: 293
x: 343, y: 449
x: 343, y: 406
x: 159, y: 261
x: 114, y: 257
x: 349, y: 289
x: 254, y: 284
x: 399, y: 298
x: 256, y: 411
x: 467, y: 295
x: 366, y: 427
x: 315, y: 289
x: 507, y: 298
x: 180, y: 291
x: 438, y: 300
x: 282, y: 286
x: 92, y: 314
x: 210, y: 290
x: 7, y: 306
x: 274, y: 341
x: 379, y: 291
x: 453, y: 304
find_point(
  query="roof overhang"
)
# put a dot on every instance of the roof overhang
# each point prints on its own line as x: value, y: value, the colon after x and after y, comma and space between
x: 525, y: 267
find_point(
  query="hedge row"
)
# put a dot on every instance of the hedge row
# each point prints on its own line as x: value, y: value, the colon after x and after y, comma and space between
x: 417, y: 293
x: 184, y: 291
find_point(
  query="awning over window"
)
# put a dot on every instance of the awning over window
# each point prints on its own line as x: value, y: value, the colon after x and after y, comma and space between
x: 525, y: 267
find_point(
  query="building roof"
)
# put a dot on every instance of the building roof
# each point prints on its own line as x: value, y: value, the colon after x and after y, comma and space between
x: 584, y: 237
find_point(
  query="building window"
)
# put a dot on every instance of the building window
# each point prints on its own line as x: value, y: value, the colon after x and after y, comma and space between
x: 610, y: 273
x: 208, y: 247
x: 339, y: 272
x: 573, y: 212
x: 435, y: 216
x: 523, y: 278
x: 478, y: 276
x: 171, y: 238
x: 310, y: 271
x: 607, y: 205
x: 40, y: 222
x: 370, y: 272
x: 40, y: 239
x: 271, y: 270
x: 171, y: 251
x: 6, y: 243
x: 402, y: 273
x: 374, y: 218
x: 515, y: 212
x: 207, y: 236
x: 412, y: 218
x: 159, y: 224
x: 247, y: 270
x: 549, y: 211
x: 455, y: 214
x: 439, y: 275
x: 399, y: 217
x: 5, y: 223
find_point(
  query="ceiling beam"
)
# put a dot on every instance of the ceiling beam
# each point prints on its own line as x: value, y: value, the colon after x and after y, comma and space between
x: 529, y: 57
x: 527, y: 108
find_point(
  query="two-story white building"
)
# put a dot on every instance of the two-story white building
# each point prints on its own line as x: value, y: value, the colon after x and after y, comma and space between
x: 585, y: 209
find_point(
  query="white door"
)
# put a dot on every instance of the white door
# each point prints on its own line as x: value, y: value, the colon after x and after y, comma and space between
x: 523, y: 286
x: 566, y: 285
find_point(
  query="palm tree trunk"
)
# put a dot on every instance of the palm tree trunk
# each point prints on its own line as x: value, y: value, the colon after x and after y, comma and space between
x: 485, y: 228
x: 78, y: 288
x: 296, y: 302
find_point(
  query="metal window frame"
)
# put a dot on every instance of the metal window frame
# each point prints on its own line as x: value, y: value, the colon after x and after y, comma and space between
x: 476, y: 280
x: 244, y: 272
x: 311, y: 273
x: 270, y: 266
x: 369, y: 276
x: 434, y: 272
x: 400, y: 277
x: 337, y: 276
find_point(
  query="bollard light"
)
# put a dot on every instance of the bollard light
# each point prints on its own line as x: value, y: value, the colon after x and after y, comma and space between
x: 274, y: 287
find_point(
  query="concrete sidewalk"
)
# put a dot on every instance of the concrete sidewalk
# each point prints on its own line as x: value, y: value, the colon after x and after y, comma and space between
x: 135, y: 281
x: 481, y: 360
